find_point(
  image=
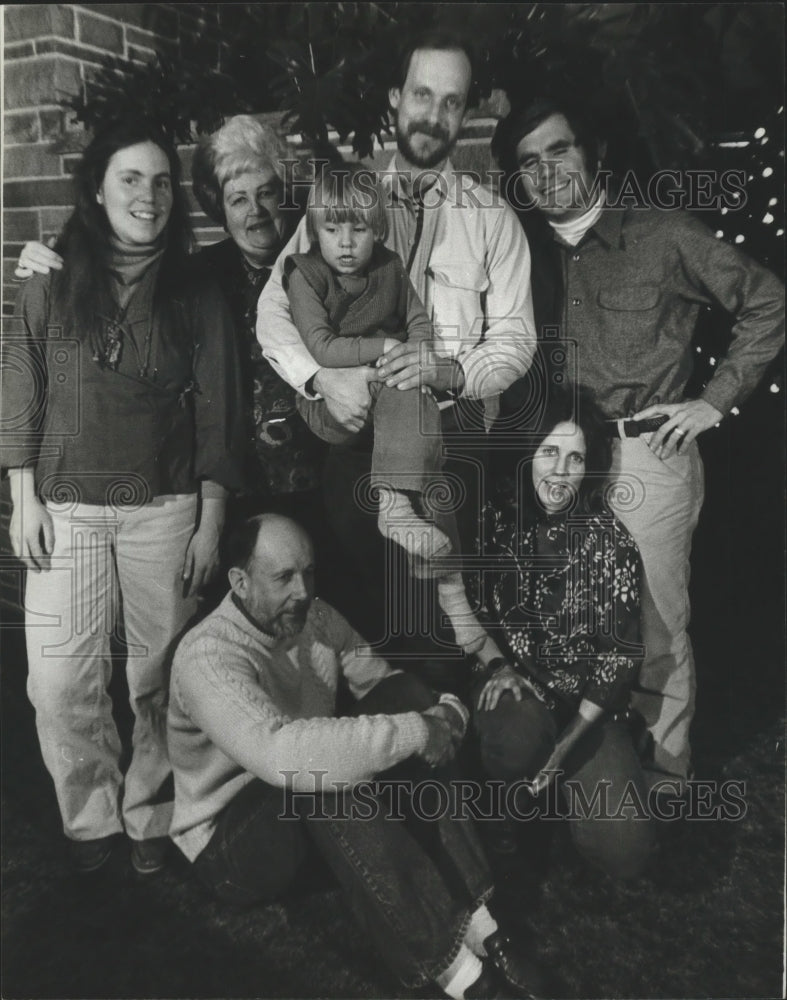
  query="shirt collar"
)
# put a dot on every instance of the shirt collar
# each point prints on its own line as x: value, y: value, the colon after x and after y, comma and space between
x: 250, y: 618
x: 572, y: 230
x: 609, y: 227
x: 398, y: 183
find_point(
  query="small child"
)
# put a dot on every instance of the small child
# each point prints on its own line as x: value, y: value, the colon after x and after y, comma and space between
x: 352, y: 300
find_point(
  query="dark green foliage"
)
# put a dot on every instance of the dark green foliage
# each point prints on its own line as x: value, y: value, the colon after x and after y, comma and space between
x: 662, y: 76
x: 180, y: 96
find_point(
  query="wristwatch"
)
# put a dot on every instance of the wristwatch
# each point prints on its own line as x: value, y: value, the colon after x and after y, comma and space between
x: 491, y: 668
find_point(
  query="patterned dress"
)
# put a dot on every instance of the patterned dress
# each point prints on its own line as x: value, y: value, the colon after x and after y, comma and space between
x: 562, y: 594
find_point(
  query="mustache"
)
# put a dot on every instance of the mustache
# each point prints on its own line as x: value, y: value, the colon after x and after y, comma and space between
x: 427, y: 128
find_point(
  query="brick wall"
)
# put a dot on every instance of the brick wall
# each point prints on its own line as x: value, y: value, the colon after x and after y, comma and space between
x: 50, y: 51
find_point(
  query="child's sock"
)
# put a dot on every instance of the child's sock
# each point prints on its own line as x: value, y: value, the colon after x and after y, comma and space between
x: 460, y: 974
x: 399, y: 522
x: 482, y: 926
x: 453, y: 600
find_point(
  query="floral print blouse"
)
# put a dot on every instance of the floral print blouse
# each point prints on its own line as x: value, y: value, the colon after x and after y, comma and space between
x: 564, y: 593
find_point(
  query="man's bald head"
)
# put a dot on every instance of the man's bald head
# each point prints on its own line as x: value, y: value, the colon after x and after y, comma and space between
x: 272, y: 572
x: 272, y: 530
x: 276, y: 532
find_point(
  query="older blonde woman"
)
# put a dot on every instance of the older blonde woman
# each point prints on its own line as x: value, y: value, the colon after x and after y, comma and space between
x: 240, y: 175
x: 240, y: 179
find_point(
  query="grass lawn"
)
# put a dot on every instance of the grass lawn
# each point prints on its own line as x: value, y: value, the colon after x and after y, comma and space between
x: 706, y: 920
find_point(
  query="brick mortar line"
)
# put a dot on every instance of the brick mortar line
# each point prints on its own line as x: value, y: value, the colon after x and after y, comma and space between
x: 34, y: 109
x: 104, y: 17
x: 42, y: 38
x: 74, y: 41
x: 37, y: 177
x: 36, y: 208
x: 32, y: 145
x: 56, y: 55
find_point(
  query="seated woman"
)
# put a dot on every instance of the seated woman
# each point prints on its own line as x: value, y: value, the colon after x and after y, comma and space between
x: 563, y: 600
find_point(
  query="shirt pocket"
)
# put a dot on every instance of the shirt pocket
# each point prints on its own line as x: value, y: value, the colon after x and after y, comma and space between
x: 629, y: 298
x: 457, y: 310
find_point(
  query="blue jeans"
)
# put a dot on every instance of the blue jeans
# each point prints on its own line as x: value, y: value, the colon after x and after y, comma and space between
x: 411, y: 883
x: 516, y: 740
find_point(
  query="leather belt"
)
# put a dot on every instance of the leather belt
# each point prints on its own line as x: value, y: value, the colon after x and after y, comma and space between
x: 633, y: 428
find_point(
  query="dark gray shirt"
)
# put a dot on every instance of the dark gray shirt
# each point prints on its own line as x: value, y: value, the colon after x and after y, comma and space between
x: 632, y: 291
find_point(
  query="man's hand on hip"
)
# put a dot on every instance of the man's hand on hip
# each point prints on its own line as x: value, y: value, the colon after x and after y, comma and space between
x: 685, y: 421
x: 346, y: 394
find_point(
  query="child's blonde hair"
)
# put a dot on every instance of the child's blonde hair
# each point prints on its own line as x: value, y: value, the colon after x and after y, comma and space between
x: 348, y: 192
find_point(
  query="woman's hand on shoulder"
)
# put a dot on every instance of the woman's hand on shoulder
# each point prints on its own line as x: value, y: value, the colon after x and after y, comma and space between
x: 504, y: 679
x: 38, y: 258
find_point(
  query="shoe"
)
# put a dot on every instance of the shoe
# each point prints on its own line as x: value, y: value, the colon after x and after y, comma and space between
x: 518, y: 971
x: 149, y: 856
x: 89, y: 856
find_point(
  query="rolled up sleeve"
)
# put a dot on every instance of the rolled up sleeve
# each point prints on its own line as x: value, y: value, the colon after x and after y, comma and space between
x: 281, y: 343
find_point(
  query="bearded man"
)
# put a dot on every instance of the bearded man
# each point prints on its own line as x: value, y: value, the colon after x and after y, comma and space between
x: 266, y: 771
x: 470, y: 264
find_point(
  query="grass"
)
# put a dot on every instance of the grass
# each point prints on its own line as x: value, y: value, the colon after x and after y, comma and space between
x: 706, y: 920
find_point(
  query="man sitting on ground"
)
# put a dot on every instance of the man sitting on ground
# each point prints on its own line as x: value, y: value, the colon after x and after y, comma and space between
x: 254, y: 738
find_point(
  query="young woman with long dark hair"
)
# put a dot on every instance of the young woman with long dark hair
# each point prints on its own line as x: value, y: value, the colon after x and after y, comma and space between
x: 120, y: 389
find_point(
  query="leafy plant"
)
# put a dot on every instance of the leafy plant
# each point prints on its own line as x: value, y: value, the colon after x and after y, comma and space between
x: 663, y: 76
x: 181, y: 97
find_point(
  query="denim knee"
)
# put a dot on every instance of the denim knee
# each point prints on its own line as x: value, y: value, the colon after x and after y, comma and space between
x: 243, y: 878
x: 397, y: 693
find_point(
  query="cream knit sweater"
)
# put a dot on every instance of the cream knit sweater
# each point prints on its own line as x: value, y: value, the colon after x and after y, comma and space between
x: 246, y: 705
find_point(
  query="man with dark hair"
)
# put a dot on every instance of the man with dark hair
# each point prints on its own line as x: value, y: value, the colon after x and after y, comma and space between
x: 626, y: 286
x: 442, y: 39
x: 433, y: 40
x: 470, y: 264
x: 261, y: 763
x: 483, y: 315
